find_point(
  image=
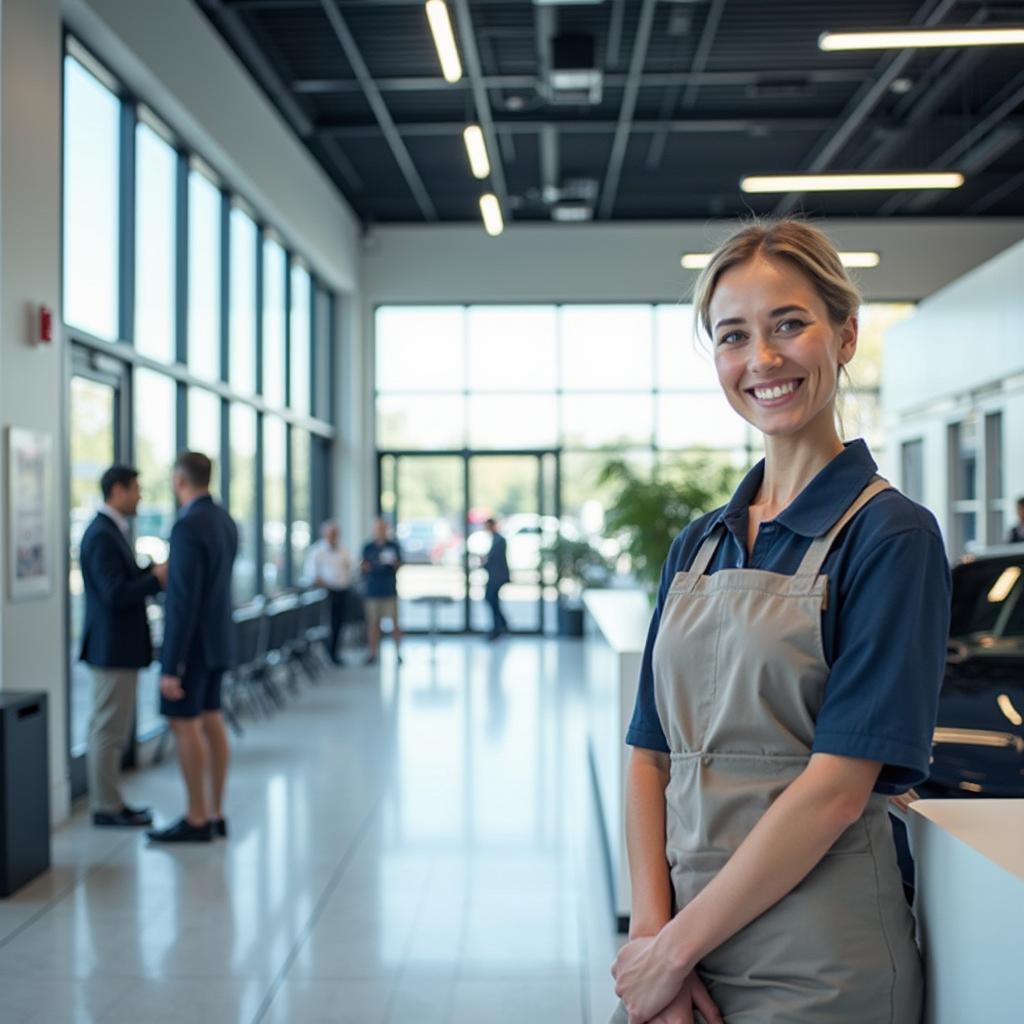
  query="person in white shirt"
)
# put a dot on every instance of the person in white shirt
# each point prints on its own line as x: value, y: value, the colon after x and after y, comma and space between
x: 329, y: 565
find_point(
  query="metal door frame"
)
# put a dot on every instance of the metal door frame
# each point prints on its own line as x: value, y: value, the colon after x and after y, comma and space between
x: 466, y: 455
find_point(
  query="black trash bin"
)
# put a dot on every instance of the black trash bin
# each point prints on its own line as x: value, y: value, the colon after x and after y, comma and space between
x: 24, y: 789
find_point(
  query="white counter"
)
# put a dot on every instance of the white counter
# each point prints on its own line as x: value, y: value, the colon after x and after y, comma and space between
x: 615, y: 629
x: 969, y: 857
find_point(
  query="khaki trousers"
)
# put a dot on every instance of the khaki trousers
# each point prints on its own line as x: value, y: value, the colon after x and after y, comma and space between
x: 113, y: 705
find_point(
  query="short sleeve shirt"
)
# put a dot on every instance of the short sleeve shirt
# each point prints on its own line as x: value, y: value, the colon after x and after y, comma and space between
x: 885, y: 627
x: 383, y: 561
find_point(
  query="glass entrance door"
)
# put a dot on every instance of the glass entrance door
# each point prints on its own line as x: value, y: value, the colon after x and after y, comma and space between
x: 438, y: 504
x: 94, y: 428
x: 509, y: 489
x: 423, y: 496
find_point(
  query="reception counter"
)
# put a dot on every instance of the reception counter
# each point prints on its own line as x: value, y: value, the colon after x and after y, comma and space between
x: 615, y: 628
x: 969, y: 857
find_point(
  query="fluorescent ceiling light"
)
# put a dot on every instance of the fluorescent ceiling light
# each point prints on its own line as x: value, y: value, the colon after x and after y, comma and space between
x: 911, y: 38
x: 849, y: 182
x: 699, y: 260
x: 444, y: 40
x: 490, y: 210
x: 473, y: 136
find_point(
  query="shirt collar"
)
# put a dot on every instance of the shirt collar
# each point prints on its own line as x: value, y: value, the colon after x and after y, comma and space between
x: 120, y: 521
x: 817, y: 508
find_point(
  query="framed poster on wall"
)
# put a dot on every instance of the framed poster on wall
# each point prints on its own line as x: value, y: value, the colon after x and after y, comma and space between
x: 29, y: 551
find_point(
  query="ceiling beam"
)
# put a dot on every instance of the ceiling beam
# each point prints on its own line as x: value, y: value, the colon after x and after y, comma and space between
x: 973, y: 151
x: 699, y: 63
x: 626, y: 110
x: 582, y: 126
x: 1008, y: 187
x: 662, y: 79
x: 232, y: 25
x: 471, y: 58
x: 614, y: 47
x: 379, y: 108
x: 889, y: 68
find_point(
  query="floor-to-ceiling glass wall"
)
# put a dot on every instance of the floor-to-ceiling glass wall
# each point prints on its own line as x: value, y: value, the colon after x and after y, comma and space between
x: 591, y: 384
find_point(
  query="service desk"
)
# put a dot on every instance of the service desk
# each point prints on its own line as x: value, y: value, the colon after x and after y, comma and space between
x: 969, y: 857
x: 614, y: 630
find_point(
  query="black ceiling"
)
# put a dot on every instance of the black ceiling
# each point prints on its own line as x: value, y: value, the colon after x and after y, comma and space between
x: 695, y: 94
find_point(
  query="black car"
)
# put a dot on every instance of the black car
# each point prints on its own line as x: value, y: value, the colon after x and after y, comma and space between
x: 978, y: 746
x: 978, y: 749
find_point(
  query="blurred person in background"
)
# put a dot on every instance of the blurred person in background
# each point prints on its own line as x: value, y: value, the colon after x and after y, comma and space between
x: 496, y: 564
x: 329, y: 565
x: 381, y: 560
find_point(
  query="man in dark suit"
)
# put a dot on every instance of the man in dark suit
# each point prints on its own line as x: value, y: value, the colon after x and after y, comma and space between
x: 496, y: 565
x: 115, y: 640
x: 198, y: 647
x: 1016, y: 534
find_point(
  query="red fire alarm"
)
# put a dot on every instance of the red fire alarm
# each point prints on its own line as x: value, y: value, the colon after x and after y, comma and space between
x: 45, y: 324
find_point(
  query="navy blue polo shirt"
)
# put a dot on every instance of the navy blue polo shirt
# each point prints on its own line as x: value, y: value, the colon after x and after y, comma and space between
x: 885, y: 627
x: 383, y: 561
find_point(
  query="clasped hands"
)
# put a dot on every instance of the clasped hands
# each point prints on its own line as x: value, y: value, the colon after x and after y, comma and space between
x: 656, y: 987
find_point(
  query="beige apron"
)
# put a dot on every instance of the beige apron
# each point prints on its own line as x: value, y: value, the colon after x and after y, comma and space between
x: 740, y: 676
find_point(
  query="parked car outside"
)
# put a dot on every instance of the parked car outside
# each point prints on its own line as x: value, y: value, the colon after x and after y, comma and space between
x: 978, y: 745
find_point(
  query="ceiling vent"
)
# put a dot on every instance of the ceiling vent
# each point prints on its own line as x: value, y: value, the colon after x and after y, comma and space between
x: 574, y: 76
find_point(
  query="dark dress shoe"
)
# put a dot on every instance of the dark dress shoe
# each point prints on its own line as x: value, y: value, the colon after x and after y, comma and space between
x: 219, y: 828
x: 182, y: 832
x: 127, y: 817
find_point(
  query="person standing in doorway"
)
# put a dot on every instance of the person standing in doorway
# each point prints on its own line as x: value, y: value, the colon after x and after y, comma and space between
x: 329, y: 565
x: 115, y: 640
x: 496, y: 564
x: 1016, y: 534
x: 382, y: 558
x: 198, y: 648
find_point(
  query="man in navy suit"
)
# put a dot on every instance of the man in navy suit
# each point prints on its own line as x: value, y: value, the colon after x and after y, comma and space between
x: 198, y: 647
x: 496, y: 565
x: 115, y: 640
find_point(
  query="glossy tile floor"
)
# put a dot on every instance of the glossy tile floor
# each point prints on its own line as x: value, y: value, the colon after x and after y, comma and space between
x: 413, y: 843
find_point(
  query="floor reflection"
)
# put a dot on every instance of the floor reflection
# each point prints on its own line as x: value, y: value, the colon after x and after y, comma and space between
x: 408, y: 843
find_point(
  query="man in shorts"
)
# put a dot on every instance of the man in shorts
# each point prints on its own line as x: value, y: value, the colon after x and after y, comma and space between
x: 198, y: 648
x: 382, y: 558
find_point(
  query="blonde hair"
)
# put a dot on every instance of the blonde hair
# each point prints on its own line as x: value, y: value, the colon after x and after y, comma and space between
x: 805, y: 247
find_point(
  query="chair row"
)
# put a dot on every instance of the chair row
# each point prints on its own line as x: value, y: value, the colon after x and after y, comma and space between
x: 280, y: 642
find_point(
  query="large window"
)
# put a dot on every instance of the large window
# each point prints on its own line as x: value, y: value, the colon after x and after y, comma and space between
x: 275, y: 270
x: 154, y: 403
x: 625, y: 380
x: 301, y: 341
x: 204, y: 429
x: 92, y: 117
x: 204, y: 257
x: 242, y: 365
x: 302, y: 499
x: 275, y: 521
x: 156, y: 165
x: 242, y: 492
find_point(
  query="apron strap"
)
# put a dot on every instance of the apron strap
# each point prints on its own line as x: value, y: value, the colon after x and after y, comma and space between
x: 820, y: 546
x: 701, y: 562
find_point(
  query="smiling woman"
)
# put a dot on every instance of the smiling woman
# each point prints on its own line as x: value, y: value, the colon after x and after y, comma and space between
x: 779, y: 703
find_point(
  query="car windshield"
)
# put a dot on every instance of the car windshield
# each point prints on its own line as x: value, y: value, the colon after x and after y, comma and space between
x: 988, y: 597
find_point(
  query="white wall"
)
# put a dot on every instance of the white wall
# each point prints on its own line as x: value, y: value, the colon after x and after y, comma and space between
x: 32, y: 377
x: 962, y: 354
x: 640, y: 262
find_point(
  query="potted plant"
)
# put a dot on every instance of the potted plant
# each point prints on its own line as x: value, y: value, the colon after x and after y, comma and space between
x: 649, y: 511
x: 580, y: 565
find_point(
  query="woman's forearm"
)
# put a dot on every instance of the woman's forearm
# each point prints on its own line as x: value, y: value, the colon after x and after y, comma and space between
x: 780, y: 851
x: 646, y: 780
